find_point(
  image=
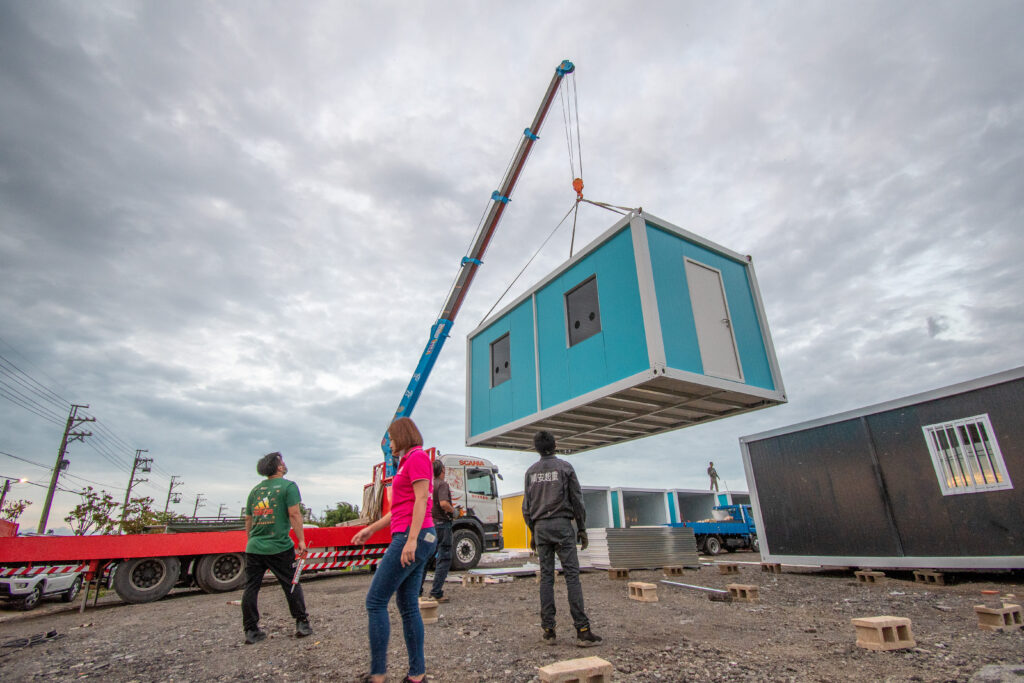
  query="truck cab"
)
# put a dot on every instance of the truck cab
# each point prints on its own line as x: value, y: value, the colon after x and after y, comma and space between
x: 477, y: 525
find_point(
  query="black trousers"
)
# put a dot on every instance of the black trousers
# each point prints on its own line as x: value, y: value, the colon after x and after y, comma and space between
x: 282, y: 566
x: 556, y: 537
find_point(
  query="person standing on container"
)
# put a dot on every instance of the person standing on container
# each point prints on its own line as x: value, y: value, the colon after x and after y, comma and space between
x: 400, y: 571
x: 270, y: 511
x: 713, y: 473
x: 552, y: 498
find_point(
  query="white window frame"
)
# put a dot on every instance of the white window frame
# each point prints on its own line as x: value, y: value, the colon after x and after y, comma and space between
x: 968, y: 465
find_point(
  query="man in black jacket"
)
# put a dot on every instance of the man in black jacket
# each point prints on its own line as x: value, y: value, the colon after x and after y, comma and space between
x: 551, y: 500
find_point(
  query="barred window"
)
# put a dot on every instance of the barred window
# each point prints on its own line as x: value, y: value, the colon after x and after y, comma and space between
x: 966, y: 456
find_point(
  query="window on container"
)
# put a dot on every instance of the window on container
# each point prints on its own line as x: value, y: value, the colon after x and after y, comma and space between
x: 966, y: 456
x: 583, y: 311
x: 480, y: 482
x: 501, y: 370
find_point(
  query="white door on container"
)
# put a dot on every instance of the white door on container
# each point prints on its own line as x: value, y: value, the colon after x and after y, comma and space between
x: 714, y: 325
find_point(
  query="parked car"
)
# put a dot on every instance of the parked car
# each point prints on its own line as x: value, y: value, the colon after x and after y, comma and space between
x: 27, y: 591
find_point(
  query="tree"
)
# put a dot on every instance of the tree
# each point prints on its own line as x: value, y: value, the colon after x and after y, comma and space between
x: 307, y: 514
x: 13, y: 509
x: 341, y: 512
x: 138, y: 515
x: 95, y: 514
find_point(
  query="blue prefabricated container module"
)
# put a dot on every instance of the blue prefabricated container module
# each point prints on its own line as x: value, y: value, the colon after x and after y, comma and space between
x: 649, y: 328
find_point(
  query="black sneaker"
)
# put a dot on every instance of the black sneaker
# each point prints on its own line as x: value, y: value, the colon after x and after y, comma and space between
x: 586, y: 638
x: 549, y: 636
x: 302, y: 628
x: 255, y: 636
x: 439, y: 599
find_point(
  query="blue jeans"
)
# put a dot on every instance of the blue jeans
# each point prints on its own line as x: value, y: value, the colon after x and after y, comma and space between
x: 391, y: 578
x: 443, y: 560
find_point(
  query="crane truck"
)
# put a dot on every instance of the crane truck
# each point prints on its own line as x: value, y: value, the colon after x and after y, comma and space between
x: 144, y: 567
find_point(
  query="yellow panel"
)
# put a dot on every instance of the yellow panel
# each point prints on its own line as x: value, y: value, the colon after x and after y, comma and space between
x: 513, y: 527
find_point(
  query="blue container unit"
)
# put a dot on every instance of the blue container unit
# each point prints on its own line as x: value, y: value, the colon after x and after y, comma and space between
x: 649, y: 328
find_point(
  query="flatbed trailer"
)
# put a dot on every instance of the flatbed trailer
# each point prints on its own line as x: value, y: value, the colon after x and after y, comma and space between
x: 144, y: 567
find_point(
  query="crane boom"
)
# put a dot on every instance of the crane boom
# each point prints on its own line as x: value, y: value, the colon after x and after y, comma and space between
x: 473, y: 260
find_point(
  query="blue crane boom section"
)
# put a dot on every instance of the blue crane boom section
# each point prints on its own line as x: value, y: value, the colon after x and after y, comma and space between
x: 500, y: 198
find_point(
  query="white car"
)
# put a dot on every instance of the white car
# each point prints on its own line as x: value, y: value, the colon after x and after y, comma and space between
x: 26, y: 591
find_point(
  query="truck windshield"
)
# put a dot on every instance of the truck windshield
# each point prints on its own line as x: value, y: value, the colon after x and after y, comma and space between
x: 480, y: 482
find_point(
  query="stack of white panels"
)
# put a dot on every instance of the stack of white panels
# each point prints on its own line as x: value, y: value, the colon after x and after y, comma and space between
x: 641, y: 548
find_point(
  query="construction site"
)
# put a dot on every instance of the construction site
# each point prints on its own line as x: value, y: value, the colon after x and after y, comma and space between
x: 797, y: 626
x: 861, y: 540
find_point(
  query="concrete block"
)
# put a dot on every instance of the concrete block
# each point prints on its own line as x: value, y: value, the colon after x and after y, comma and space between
x: 884, y: 633
x: 618, y: 574
x: 771, y: 567
x: 743, y: 592
x: 583, y: 670
x: 726, y: 568
x: 643, y: 592
x: 673, y: 571
x: 473, y: 579
x: 865, y: 576
x: 1005, y: 618
x: 428, y: 610
x: 924, y: 576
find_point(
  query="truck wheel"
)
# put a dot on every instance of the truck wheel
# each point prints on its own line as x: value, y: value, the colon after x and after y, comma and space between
x: 72, y: 592
x: 220, y: 573
x: 755, y: 546
x: 146, y: 579
x: 713, y: 545
x: 466, y: 549
x: 32, y: 599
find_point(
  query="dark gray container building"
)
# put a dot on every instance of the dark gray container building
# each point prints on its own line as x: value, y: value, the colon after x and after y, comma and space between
x: 922, y: 482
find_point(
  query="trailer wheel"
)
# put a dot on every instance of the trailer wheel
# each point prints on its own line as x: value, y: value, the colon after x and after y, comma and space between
x: 466, y: 549
x: 713, y: 545
x: 145, y: 579
x: 221, y: 572
x: 755, y: 545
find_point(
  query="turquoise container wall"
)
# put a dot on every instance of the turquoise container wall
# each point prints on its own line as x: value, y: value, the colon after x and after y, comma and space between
x: 616, y: 521
x: 516, y: 398
x: 618, y: 351
x: 678, y: 330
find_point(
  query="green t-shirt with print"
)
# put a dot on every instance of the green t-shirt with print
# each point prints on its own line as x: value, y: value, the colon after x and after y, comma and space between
x: 268, y: 506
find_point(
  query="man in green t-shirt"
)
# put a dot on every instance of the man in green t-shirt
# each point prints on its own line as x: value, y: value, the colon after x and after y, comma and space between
x: 270, y: 512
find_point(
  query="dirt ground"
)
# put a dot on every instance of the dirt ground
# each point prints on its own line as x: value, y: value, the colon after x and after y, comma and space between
x: 799, y: 631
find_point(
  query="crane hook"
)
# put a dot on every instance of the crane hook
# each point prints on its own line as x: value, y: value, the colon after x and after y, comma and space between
x: 577, y: 184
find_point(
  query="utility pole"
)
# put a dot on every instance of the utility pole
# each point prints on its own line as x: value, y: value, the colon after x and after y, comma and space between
x: 220, y: 510
x: 199, y: 503
x: 69, y: 435
x: 146, y: 465
x: 172, y: 494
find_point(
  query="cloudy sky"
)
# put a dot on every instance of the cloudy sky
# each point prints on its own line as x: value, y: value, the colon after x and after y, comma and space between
x: 227, y: 227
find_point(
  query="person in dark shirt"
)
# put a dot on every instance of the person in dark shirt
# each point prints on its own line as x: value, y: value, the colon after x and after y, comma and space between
x: 552, y: 499
x: 713, y: 473
x: 442, y: 513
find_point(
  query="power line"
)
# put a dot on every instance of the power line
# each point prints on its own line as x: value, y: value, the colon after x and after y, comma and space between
x: 10, y: 396
x: 30, y: 462
x: 63, y: 401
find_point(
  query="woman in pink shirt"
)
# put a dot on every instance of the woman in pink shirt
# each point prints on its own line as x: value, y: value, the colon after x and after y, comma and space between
x: 400, y: 571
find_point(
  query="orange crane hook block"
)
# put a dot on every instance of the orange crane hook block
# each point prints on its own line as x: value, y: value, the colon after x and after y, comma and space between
x: 577, y: 184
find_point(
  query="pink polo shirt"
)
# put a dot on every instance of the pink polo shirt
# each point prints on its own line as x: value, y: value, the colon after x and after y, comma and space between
x: 415, y: 466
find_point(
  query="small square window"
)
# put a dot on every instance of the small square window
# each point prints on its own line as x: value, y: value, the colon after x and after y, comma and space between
x: 583, y: 311
x: 501, y: 370
x: 966, y: 456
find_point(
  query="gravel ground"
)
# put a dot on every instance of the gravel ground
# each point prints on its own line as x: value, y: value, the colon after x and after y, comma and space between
x: 799, y: 631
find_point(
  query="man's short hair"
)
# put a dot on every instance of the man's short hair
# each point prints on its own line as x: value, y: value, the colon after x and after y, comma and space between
x: 404, y: 434
x: 268, y: 464
x: 544, y: 443
x: 438, y: 468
